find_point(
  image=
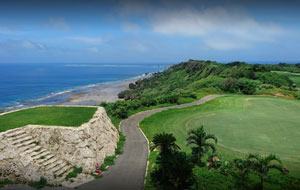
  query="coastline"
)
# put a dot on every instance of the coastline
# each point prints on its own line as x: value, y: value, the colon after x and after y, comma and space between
x: 90, y: 95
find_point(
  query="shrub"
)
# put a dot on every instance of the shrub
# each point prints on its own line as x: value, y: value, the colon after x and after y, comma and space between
x: 229, y: 85
x: 74, y: 173
x: 247, y: 86
x: 148, y: 102
x: 40, y: 184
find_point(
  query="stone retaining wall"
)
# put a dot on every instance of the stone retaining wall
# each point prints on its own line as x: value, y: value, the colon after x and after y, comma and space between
x: 83, y: 146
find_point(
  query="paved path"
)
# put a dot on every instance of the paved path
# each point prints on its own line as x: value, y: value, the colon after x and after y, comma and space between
x: 129, y: 170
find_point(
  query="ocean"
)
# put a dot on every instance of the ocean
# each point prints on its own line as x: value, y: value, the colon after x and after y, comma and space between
x: 23, y: 85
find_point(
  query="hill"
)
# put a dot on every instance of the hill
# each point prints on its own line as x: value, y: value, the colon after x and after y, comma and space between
x: 192, y: 76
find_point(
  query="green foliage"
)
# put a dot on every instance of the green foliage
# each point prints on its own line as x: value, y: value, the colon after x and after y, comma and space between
x: 165, y: 143
x: 174, y: 171
x: 293, y: 68
x: 40, y: 184
x: 199, y: 138
x: 74, y: 173
x: 119, y: 149
x: 212, y: 180
x: 262, y: 166
x: 247, y: 86
x: 62, y: 116
x: 5, y: 182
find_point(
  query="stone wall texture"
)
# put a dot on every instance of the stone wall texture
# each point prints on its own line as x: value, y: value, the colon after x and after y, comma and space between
x: 33, y: 151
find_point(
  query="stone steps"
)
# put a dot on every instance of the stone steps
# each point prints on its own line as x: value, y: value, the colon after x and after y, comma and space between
x: 20, y: 140
x: 48, y: 162
x: 18, y: 137
x: 14, y: 133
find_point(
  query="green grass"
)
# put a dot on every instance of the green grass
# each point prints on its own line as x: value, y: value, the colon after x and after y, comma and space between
x: 293, y: 76
x: 61, y: 116
x: 243, y: 124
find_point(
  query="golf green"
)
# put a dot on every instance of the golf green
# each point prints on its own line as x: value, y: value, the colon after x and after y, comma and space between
x: 242, y: 124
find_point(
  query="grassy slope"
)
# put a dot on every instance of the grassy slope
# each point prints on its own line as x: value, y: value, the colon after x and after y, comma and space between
x: 62, y: 116
x: 242, y: 124
x: 294, y: 77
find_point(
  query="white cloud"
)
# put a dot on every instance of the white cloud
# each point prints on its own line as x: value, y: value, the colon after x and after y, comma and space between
x: 21, y: 44
x: 58, y: 23
x: 232, y: 29
x: 87, y: 40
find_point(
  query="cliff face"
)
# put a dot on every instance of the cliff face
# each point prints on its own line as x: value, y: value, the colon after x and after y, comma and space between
x: 35, y: 151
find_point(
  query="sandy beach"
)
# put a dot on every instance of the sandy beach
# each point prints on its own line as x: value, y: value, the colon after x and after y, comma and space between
x: 105, y: 92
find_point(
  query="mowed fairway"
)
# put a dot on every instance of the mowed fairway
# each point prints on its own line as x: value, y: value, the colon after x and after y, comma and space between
x: 295, y: 77
x: 243, y: 124
x: 61, y: 116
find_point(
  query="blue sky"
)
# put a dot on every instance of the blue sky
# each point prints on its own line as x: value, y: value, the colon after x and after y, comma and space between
x: 170, y: 31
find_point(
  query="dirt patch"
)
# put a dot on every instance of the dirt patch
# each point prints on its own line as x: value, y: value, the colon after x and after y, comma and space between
x: 284, y: 96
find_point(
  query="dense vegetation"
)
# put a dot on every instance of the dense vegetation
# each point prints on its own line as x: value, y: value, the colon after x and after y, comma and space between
x: 178, y: 170
x: 62, y: 116
x: 292, y: 68
x: 194, y: 75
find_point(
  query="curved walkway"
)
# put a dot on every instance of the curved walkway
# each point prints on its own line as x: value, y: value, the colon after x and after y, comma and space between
x: 129, y: 170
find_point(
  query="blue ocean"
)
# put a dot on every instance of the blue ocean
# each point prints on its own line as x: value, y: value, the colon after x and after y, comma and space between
x: 32, y: 84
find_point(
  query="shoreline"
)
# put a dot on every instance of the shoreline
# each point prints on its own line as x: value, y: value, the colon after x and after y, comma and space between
x: 89, y: 95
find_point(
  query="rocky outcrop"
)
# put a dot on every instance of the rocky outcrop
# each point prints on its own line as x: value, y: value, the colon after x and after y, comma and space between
x: 35, y: 151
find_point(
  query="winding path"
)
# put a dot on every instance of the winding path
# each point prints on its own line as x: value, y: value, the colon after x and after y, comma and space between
x: 129, y: 170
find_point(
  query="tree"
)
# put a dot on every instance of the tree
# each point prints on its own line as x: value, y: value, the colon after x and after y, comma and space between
x: 165, y: 142
x: 262, y: 166
x: 199, y: 138
x: 240, y: 174
x: 173, y: 171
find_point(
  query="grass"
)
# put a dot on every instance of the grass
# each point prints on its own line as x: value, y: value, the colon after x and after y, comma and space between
x: 294, y: 77
x: 61, y: 116
x: 243, y: 124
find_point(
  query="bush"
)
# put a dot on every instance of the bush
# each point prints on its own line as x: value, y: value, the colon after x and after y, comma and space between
x: 74, y: 173
x: 40, y: 184
x: 266, y: 86
x: 229, y: 85
x: 247, y: 86
x: 148, y: 102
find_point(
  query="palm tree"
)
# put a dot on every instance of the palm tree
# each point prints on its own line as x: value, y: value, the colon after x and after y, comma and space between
x: 241, y: 170
x: 165, y: 142
x: 199, y: 138
x: 262, y: 165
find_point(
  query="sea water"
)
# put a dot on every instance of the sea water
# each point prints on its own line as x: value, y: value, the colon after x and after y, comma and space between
x: 32, y: 84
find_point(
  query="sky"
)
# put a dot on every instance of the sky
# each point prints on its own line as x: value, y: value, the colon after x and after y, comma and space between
x: 157, y: 31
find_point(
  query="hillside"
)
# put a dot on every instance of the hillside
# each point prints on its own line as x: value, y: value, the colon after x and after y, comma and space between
x: 192, y: 76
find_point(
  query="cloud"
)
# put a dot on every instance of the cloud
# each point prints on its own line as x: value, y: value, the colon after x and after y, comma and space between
x: 87, y: 40
x: 216, y: 25
x: 58, y: 23
x: 20, y: 44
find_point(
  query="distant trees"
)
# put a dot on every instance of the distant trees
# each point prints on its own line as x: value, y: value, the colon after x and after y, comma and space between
x: 199, y: 138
